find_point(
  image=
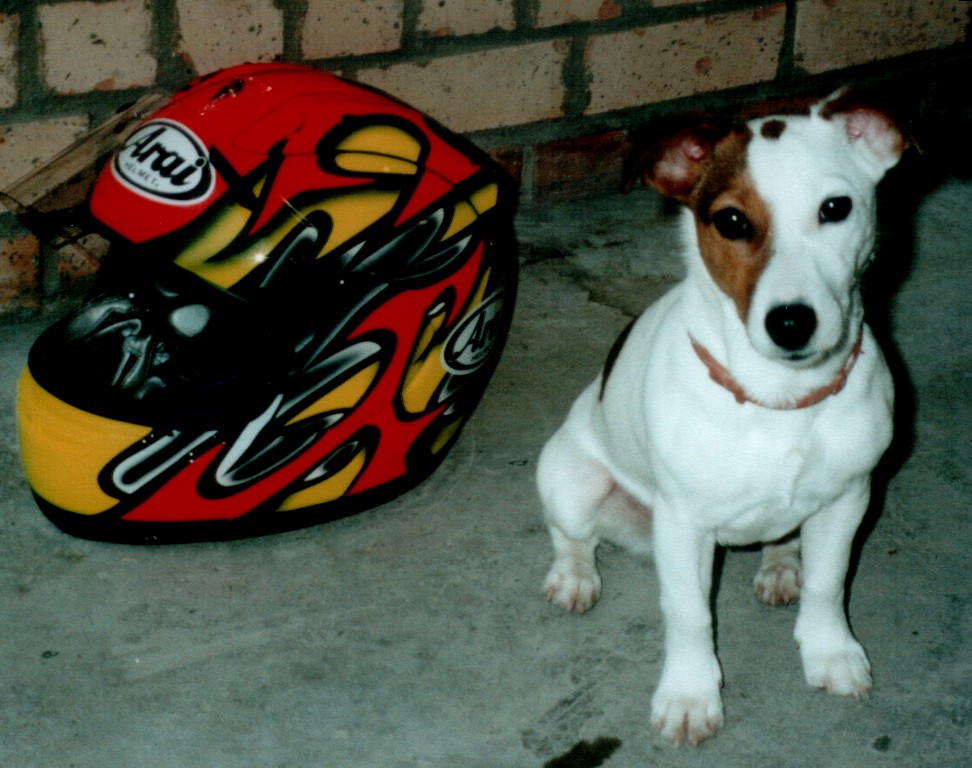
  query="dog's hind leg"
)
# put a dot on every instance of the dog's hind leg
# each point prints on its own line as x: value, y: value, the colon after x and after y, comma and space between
x: 780, y: 576
x: 572, y: 488
x: 572, y: 582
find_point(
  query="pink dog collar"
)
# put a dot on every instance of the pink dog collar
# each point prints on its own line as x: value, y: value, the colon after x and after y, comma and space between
x: 721, y: 376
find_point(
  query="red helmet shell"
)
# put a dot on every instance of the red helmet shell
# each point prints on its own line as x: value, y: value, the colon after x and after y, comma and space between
x: 308, y: 287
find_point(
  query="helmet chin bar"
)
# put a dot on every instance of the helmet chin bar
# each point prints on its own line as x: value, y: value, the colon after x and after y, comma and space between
x: 167, y: 348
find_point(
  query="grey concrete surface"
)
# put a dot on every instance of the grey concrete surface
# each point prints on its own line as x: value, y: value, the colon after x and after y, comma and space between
x: 414, y: 635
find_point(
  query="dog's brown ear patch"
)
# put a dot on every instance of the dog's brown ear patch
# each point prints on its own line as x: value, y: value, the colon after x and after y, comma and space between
x: 672, y: 155
x: 679, y: 166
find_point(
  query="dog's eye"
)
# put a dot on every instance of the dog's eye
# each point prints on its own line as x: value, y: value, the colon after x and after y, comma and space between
x: 732, y: 224
x: 835, y: 209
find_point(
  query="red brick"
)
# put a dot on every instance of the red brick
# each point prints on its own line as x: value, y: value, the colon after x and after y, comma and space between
x: 19, y: 273
x: 216, y: 35
x: 78, y: 264
x: 9, y: 29
x: 832, y: 34
x: 342, y: 29
x: 24, y: 146
x: 682, y: 58
x: 553, y: 12
x: 510, y: 159
x: 587, y: 165
x: 442, y: 18
x: 89, y: 46
x: 486, y: 89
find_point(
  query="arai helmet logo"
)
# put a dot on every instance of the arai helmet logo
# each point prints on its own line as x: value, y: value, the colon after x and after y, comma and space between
x: 165, y: 160
x: 470, y: 343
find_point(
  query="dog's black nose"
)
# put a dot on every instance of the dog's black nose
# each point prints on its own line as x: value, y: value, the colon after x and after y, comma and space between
x: 791, y: 326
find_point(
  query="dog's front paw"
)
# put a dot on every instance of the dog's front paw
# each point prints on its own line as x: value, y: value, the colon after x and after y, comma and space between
x: 844, y: 672
x: 572, y: 584
x: 683, y: 718
x: 778, y: 583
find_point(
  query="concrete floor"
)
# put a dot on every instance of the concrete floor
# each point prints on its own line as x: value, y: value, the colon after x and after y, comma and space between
x: 414, y: 635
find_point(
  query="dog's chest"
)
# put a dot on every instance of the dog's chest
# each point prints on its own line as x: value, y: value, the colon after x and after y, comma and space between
x: 761, y: 487
x: 755, y: 476
x: 744, y: 472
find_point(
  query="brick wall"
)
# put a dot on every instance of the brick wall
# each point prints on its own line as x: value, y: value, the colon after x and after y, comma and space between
x: 551, y: 87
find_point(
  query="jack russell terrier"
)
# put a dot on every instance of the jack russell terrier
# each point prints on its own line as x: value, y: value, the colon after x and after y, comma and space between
x: 749, y: 404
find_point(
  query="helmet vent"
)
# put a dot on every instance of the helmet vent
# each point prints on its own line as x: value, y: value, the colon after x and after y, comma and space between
x: 230, y: 89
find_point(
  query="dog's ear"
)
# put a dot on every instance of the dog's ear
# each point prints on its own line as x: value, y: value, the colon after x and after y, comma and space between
x: 873, y: 132
x: 672, y: 155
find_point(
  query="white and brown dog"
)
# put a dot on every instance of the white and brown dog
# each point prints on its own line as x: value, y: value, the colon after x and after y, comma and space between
x: 750, y: 404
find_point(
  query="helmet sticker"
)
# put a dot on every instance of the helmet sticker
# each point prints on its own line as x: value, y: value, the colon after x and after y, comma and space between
x: 166, y: 161
x: 471, y: 342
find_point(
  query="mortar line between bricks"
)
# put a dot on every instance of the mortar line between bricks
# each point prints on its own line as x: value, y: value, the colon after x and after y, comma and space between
x: 786, y: 66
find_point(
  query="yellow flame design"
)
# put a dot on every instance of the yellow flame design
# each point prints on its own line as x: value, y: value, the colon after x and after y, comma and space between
x: 329, y: 489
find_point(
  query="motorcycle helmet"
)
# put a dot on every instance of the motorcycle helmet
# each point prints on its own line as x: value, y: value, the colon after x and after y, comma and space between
x: 306, y: 288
